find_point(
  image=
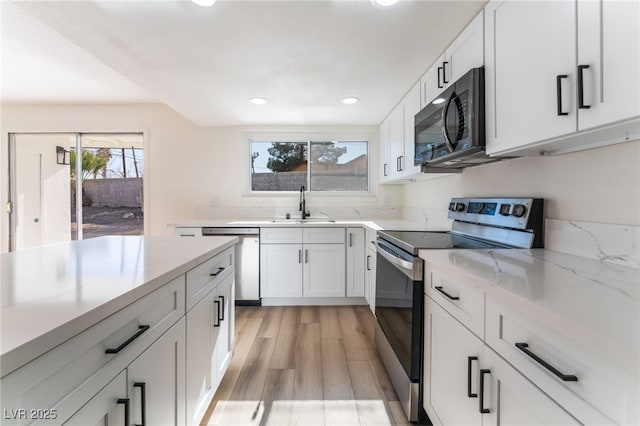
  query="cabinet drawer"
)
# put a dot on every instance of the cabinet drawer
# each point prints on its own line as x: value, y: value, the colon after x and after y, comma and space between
x: 281, y: 235
x: 66, y: 377
x: 188, y: 232
x: 205, y: 277
x: 323, y: 235
x: 464, y: 301
x: 602, y: 392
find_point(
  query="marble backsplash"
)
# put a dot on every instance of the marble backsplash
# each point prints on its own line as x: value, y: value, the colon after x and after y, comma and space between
x: 618, y: 244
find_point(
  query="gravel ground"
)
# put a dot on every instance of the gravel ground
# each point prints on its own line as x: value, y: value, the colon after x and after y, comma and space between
x: 98, y: 221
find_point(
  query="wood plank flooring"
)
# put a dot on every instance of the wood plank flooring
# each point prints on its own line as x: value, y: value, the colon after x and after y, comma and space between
x: 305, y: 365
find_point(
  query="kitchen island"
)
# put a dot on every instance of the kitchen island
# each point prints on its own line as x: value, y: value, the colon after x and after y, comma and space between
x: 76, y: 315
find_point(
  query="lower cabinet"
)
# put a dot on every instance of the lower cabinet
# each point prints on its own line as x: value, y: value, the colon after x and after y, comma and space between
x: 466, y: 382
x: 108, y: 407
x: 208, y: 346
x: 156, y: 381
x: 370, y: 265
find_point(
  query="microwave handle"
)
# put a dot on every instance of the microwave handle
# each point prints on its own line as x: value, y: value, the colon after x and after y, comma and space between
x: 443, y: 120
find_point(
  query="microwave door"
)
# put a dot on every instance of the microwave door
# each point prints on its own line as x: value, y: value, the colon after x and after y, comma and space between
x: 453, y: 121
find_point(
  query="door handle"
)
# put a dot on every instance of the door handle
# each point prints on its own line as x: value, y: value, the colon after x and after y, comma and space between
x: 440, y: 86
x: 581, y: 104
x: 143, y: 402
x: 483, y: 410
x: 439, y: 288
x: 125, y: 401
x: 306, y: 256
x: 368, y: 262
x: 444, y: 72
x: 141, y: 329
x: 559, y: 79
x: 221, y: 318
x: 215, y: 274
x: 216, y: 304
x: 564, y: 377
x: 470, y: 359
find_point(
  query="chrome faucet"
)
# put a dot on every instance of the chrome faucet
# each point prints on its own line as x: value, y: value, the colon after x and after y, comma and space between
x: 303, y: 204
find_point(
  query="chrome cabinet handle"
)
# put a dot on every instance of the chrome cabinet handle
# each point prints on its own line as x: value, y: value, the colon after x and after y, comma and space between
x: 141, y: 329
x: 564, y: 377
x: 439, y: 288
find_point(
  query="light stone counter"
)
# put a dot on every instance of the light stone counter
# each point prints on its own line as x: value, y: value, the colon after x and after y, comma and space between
x: 597, y: 302
x: 51, y: 293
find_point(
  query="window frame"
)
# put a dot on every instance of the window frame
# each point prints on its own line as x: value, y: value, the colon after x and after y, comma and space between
x: 308, y: 138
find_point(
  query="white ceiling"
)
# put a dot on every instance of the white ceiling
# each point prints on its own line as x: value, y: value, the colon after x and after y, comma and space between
x: 302, y: 56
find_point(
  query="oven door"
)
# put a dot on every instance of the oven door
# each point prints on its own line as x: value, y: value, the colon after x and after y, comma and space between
x: 399, y: 306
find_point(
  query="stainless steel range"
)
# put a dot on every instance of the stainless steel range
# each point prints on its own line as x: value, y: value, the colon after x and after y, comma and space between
x: 478, y: 223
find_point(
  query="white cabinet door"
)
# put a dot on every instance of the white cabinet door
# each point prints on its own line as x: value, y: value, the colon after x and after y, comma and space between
x: 107, y: 408
x: 453, y: 358
x: 156, y: 381
x: 396, y: 141
x: 356, y: 262
x: 202, y: 333
x: 411, y: 104
x: 529, y: 47
x: 431, y: 83
x: 324, y: 270
x: 383, y: 151
x: 512, y: 399
x: 226, y: 321
x: 609, y: 45
x: 281, y: 270
x: 466, y: 51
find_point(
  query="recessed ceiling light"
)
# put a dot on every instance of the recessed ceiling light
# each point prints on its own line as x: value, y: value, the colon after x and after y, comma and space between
x: 205, y: 3
x: 350, y: 100
x: 385, y: 3
x: 258, y: 101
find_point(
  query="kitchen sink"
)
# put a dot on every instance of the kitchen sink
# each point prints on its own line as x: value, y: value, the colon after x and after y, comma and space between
x: 319, y: 220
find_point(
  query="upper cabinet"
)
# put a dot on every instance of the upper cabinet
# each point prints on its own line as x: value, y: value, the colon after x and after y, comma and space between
x: 554, y: 70
x: 466, y: 52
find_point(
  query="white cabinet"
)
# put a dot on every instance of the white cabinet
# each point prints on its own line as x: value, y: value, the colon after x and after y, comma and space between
x: 464, y: 53
x: 453, y: 356
x: 108, y: 407
x: 383, y: 151
x: 188, y: 231
x: 356, y: 267
x: 538, y: 97
x: 302, y: 262
x: 209, y: 345
x: 370, y: 264
x: 156, y: 381
x: 609, y: 45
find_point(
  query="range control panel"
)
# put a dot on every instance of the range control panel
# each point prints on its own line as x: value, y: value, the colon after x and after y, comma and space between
x: 515, y: 213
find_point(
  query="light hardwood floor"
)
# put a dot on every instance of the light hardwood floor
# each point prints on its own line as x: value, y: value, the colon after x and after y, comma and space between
x: 305, y: 365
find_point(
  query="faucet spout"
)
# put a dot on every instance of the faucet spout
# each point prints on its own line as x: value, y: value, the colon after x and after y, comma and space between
x: 303, y: 204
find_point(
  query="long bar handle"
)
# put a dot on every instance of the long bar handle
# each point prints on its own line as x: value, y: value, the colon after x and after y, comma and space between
x: 483, y: 410
x: 300, y: 256
x: 141, y: 329
x: 581, y: 104
x: 470, y: 359
x: 143, y: 402
x: 439, y: 288
x: 306, y: 256
x: 217, y: 315
x: 440, y: 86
x: 221, y: 318
x: 384, y: 169
x: 350, y: 239
x: 444, y: 72
x: 559, y: 93
x: 564, y: 377
x: 125, y: 401
x: 368, y: 262
x: 215, y: 274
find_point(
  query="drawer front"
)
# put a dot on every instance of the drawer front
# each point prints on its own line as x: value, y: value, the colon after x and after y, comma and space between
x: 323, y: 235
x: 66, y: 377
x: 205, y: 277
x: 464, y: 301
x: 281, y: 235
x: 602, y: 392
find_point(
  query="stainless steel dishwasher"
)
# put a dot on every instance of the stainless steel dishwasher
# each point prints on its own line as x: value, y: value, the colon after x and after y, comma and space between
x: 247, y: 262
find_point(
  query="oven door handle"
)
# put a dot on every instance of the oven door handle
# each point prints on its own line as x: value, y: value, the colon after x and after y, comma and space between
x: 396, y: 261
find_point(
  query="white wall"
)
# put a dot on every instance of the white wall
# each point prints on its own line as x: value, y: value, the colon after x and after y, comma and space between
x: 185, y: 165
x: 596, y: 185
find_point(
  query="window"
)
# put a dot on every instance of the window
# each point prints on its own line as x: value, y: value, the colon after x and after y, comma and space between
x: 339, y: 166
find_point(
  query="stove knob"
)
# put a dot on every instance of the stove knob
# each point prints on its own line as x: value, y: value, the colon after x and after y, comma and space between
x: 460, y: 207
x: 505, y: 209
x: 519, y: 210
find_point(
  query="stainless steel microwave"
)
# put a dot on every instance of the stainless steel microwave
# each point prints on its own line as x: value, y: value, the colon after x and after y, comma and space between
x: 450, y: 131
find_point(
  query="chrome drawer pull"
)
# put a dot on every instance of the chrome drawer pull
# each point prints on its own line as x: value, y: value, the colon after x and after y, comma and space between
x: 215, y: 274
x: 565, y: 377
x: 439, y: 288
x: 142, y: 329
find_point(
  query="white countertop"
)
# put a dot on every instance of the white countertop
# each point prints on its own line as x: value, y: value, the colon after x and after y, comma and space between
x: 372, y: 224
x: 51, y: 293
x: 597, y: 302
